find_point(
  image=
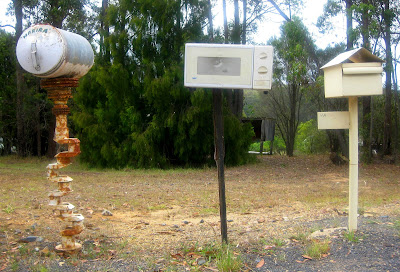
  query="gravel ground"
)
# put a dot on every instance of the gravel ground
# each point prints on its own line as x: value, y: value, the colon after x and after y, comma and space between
x: 377, y: 250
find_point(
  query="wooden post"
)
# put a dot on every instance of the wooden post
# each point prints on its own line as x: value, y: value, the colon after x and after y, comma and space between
x: 219, y: 155
x: 353, y: 164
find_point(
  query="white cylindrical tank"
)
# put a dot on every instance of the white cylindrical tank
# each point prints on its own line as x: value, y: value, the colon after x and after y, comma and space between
x: 49, y: 52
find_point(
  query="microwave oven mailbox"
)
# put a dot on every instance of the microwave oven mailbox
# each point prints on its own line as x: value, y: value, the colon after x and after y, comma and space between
x: 221, y: 66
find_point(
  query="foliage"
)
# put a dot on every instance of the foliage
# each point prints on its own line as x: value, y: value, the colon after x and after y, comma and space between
x: 310, y: 140
x: 292, y: 72
x: 278, y: 146
x: 7, y: 91
x: 133, y: 110
x: 255, y: 104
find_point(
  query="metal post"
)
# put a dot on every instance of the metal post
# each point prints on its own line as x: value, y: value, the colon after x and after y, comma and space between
x: 353, y: 164
x: 219, y: 156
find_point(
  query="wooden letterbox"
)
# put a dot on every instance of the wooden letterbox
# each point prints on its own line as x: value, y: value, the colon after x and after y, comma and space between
x: 353, y: 73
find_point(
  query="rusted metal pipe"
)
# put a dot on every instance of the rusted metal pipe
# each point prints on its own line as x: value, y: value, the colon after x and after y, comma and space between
x: 59, y: 90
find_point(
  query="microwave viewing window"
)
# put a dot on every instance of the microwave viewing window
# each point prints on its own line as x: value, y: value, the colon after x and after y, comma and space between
x: 220, y: 66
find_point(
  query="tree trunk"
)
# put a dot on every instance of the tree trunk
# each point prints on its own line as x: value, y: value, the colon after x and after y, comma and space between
x: 244, y: 26
x: 397, y: 118
x: 236, y: 28
x: 366, y: 100
x: 387, y: 130
x: 105, y: 29
x: 21, y: 141
x: 226, y: 31
x: 292, y: 121
x: 349, y: 24
x: 237, y: 93
x: 210, y: 22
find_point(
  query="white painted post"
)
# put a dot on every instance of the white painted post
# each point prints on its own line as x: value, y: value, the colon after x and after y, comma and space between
x: 353, y: 167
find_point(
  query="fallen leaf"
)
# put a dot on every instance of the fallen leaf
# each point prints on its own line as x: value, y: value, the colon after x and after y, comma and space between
x: 212, y: 269
x: 89, y: 211
x: 305, y: 260
x: 4, y: 266
x: 306, y: 257
x: 164, y: 232
x: 194, y: 255
x: 177, y: 256
x: 260, y: 263
x: 45, y: 251
x: 269, y: 247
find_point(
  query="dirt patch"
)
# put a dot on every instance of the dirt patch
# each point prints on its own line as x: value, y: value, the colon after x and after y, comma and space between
x: 156, y: 213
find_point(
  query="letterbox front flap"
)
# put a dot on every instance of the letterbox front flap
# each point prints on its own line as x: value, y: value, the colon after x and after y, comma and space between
x: 358, y: 55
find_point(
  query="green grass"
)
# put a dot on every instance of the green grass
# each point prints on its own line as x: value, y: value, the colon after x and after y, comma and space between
x: 9, y: 209
x: 397, y: 224
x: 317, y: 249
x: 351, y: 236
x: 222, y: 256
x: 301, y: 237
x: 157, y: 207
x: 226, y: 260
x: 279, y: 242
x: 208, y: 211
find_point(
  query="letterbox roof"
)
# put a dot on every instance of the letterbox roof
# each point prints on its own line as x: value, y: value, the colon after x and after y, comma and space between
x: 358, y: 55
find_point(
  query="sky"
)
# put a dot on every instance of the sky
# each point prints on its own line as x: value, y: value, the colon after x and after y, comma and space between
x: 312, y: 10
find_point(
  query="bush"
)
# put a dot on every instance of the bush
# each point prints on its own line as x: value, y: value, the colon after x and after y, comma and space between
x: 310, y: 140
x: 278, y: 146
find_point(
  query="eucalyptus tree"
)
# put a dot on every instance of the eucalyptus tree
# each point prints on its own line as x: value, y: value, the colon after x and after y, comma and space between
x: 375, y: 21
x: 293, y: 63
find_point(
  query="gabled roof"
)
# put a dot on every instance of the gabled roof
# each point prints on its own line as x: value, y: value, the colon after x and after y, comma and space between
x: 353, y: 56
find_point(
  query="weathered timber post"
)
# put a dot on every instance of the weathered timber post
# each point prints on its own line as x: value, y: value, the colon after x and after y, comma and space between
x: 219, y: 157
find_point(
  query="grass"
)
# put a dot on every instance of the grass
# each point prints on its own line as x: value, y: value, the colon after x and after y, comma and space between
x: 226, y: 260
x: 279, y: 242
x: 157, y: 207
x: 222, y: 256
x: 397, y: 226
x: 271, y: 188
x: 352, y: 236
x: 317, y: 249
x: 8, y: 209
x: 300, y: 236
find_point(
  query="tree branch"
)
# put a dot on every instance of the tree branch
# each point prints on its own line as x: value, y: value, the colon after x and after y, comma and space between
x: 7, y: 26
x: 279, y: 10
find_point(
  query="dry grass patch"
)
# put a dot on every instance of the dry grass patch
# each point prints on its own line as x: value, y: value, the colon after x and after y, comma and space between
x: 158, y: 210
